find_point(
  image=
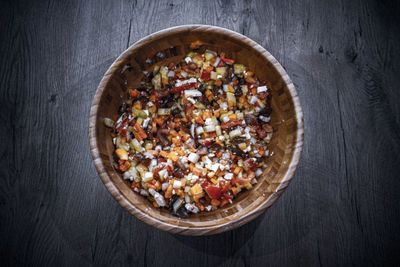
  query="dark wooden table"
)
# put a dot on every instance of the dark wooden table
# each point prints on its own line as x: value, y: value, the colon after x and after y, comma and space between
x: 342, y: 208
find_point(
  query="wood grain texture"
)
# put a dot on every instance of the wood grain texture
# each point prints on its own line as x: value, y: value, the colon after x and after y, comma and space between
x: 340, y: 210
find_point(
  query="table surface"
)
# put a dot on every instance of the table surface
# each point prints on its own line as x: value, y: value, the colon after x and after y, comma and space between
x: 342, y: 208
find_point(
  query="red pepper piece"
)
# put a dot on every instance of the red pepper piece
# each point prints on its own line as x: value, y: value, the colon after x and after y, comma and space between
x: 178, y: 89
x: 140, y: 133
x: 214, y: 192
x: 134, y: 93
x: 228, y: 61
x: 205, y: 184
x: 205, y: 76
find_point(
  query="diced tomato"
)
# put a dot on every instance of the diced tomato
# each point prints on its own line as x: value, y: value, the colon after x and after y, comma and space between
x: 261, y: 132
x: 226, y: 196
x: 223, y: 202
x: 214, y: 192
x: 228, y: 61
x: 140, y: 133
x: 225, y: 187
x: 134, y: 93
x: 178, y: 89
x: 206, y: 76
x: 250, y: 164
x: 230, y: 124
x: 124, y: 165
x: 207, y: 142
x: 205, y: 184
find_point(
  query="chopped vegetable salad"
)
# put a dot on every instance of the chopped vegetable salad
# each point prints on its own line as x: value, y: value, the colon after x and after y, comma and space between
x: 193, y: 135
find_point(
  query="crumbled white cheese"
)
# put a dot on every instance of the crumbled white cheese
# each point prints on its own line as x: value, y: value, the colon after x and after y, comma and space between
x: 199, y: 130
x: 164, y: 186
x: 146, y: 123
x: 177, y: 184
x: 148, y: 155
x: 191, y: 100
x: 171, y: 74
x: 163, y: 173
x: 214, y: 167
x: 253, y: 100
x: 225, y: 119
x: 187, y: 198
x: 209, y: 128
x: 225, y: 155
x: 148, y: 176
x: 183, y: 82
x: 228, y: 176
x: 188, y: 60
x: 224, y: 105
x: 264, y: 119
x: 261, y: 89
x: 144, y: 193
x: 130, y: 174
x: 184, y: 159
x: 235, y: 132
x: 193, y: 93
x: 157, y: 197
x: 192, y: 208
x: 259, y: 172
x: 193, y: 157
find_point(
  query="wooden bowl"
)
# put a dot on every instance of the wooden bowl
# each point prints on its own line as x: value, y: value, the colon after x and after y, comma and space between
x: 287, y: 121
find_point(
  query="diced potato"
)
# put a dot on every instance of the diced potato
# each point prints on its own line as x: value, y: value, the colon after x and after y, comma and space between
x: 121, y: 153
x: 209, y: 55
x: 221, y: 71
x: 173, y: 156
x: 231, y: 100
x: 196, y: 190
x: 156, y: 81
x: 238, y: 69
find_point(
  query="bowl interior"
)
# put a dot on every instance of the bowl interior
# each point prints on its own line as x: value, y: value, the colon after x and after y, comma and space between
x: 174, y: 45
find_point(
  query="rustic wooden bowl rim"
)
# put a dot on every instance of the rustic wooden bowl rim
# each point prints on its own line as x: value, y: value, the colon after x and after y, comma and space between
x: 218, y: 226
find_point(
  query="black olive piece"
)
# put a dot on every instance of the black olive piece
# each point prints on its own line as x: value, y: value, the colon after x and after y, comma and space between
x: 215, y: 105
x: 202, y: 88
x: 203, y: 201
x: 203, y: 99
x: 266, y: 112
x: 162, y: 135
x: 181, y: 212
x: 181, y: 166
x: 241, y: 80
x: 172, y: 201
x: 176, y: 112
x: 250, y: 119
x: 238, y: 91
x: 143, y: 99
x: 123, y: 108
x: 238, y: 152
x: 238, y: 140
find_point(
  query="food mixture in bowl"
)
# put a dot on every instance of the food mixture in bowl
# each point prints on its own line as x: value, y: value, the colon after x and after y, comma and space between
x: 194, y: 134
